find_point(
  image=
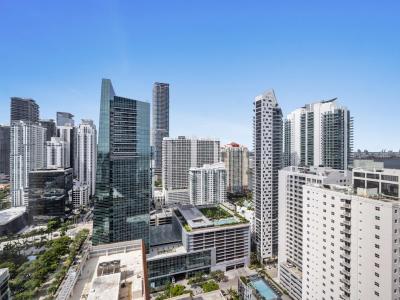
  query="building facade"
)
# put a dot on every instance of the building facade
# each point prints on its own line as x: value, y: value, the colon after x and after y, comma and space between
x: 319, y: 134
x: 65, y: 119
x: 51, y: 128
x: 291, y: 182
x: 5, y: 149
x: 5, y: 293
x: 179, y: 155
x: 80, y: 195
x: 87, y: 154
x: 50, y: 193
x: 27, y: 153
x: 57, y: 154
x: 24, y: 109
x: 207, y: 184
x: 236, y: 159
x: 123, y: 183
x: 267, y: 160
x: 160, y: 123
x: 67, y: 134
x: 350, y: 240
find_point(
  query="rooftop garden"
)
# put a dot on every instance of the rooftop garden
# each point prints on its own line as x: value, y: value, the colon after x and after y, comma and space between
x: 215, y: 213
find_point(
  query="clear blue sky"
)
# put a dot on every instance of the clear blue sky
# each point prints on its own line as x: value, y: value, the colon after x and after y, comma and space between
x: 217, y: 55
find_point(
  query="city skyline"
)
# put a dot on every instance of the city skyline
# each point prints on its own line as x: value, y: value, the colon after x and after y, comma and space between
x: 225, y: 62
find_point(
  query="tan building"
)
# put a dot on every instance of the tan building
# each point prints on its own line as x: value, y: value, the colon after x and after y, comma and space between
x: 236, y: 159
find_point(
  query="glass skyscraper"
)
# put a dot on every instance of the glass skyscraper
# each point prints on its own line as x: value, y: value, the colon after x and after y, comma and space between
x: 123, y: 181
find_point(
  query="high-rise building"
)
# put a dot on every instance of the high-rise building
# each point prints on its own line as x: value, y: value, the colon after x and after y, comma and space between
x: 57, y: 153
x: 236, y: 159
x: 160, y: 122
x: 67, y: 134
x: 267, y: 145
x: 51, y: 129
x: 27, y: 154
x: 80, y: 195
x: 24, y: 110
x: 5, y: 293
x: 87, y: 154
x: 65, y: 119
x: 319, y: 134
x: 50, y: 192
x: 5, y: 149
x: 291, y: 182
x: 123, y: 183
x: 207, y: 184
x: 350, y: 243
x: 179, y: 155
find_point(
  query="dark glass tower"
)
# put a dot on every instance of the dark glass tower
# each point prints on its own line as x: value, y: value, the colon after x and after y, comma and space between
x: 24, y: 110
x: 50, y: 125
x: 160, y: 122
x: 123, y: 181
x: 65, y: 118
x: 5, y: 150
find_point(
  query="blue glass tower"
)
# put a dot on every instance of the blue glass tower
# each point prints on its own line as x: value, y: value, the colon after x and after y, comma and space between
x: 123, y: 182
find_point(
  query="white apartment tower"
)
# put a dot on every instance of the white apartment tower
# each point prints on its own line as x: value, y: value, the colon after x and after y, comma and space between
x: 27, y: 153
x: 291, y: 182
x: 56, y: 150
x: 351, y: 243
x: 66, y: 134
x: 267, y: 145
x: 319, y: 134
x: 86, y: 159
x: 178, y: 156
x: 236, y: 159
x: 80, y: 195
x: 207, y: 184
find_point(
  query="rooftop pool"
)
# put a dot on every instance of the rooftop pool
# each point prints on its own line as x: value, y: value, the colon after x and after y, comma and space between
x: 264, y: 289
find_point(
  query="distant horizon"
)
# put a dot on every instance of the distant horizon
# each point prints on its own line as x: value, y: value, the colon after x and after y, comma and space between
x: 216, y: 56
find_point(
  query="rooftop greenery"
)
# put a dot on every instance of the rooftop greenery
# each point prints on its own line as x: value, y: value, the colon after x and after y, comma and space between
x: 215, y: 213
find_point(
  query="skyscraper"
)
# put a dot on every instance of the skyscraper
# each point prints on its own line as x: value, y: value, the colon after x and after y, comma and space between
x: 5, y: 149
x: 123, y: 183
x: 236, y: 159
x: 51, y: 129
x: 207, y: 184
x: 179, y: 155
x: 65, y: 118
x: 267, y: 144
x: 87, y: 154
x: 160, y: 122
x: 57, y: 153
x: 24, y: 110
x: 319, y: 134
x: 67, y: 133
x: 291, y: 182
x: 27, y: 154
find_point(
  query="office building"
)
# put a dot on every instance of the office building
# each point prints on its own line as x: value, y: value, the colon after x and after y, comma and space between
x: 67, y: 134
x: 27, y: 153
x: 5, y: 293
x: 179, y: 155
x: 267, y: 160
x: 236, y: 159
x: 291, y: 182
x: 123, y: 183
x: 65, y: 119
x: 57, y: 153
x: 80, y: 195
x: 160, y: 123
x: 51, y: 128
x: 195, y: 242
x: 5, y: 149
x: 50, y: 193
x: 87, y: 154
x: 350, y: 242
x: 207, y: 184
x: 319, y: 134
x: 24, y: 110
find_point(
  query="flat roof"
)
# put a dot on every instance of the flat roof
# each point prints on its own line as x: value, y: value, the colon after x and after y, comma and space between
x: 166, y: 250
x: 194, y: 217
x: 105, y: 287
x: 10, y: 214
